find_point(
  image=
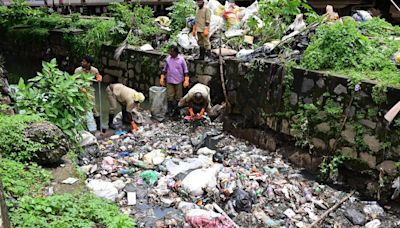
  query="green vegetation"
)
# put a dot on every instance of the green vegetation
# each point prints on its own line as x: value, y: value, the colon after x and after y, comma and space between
x: 360, y: 50
x: 330, y: 165
x: 13, y: 144
x: 277, y: 16
x: 84, y: 210
x: 22, y: 179
x: 179, y: 11
x: 57, y: 96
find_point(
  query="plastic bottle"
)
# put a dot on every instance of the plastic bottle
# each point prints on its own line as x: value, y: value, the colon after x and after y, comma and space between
x: 126, y: 171
x: 270, y: 192
x: 123, y: 153
x: 307, y: 195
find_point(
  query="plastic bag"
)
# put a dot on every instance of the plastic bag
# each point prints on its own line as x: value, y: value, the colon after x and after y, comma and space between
x: 186, y: 40
x: 103, y: 189
x: 244, y: 52
x: 200, y: 179
x: 149, y: 176
x: 158, y: 102
x: 361, y: 15
x: 91, y: 124
x: 87, y: 139
x: 189, y: 164
x: 207, y: 219
x: 213, y: 5
x: 232, y: 20
x: 234, y: 32
x: 245, y: 14
x: 155, y: 157
x: 242, y: 200
x: 216, y: 23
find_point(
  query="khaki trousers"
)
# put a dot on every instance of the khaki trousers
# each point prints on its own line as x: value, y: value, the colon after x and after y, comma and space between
x: 112, y: 101
x: 203, y: 41
x: 174, y: 92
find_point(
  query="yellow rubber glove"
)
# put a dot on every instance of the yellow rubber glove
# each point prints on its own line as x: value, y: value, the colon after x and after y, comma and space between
x: 162, y: 78
x: 186, y: 82
x: 205, y: 32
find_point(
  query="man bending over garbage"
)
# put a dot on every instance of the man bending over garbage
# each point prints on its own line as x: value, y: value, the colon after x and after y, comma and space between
x: 86, y: 67
x: 128, y: 98
x: 198, y: 100
x: 176, y: 70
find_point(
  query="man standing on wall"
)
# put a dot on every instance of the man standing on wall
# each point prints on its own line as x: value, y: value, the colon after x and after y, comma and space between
x: 203, y: 17
x: 86, y: 67
x: 176, y: 72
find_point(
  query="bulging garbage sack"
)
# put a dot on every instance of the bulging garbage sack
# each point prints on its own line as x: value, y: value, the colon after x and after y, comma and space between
x: 203, y: 218
x: 200, y: 179
x: 158, y: 102
x: 103, y: 189
x: 186, y: 40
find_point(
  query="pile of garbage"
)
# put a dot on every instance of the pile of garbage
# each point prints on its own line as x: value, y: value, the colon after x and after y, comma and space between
x: 177, y: 174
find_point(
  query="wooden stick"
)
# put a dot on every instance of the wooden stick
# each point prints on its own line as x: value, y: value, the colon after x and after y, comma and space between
x: 221, y: 72
x: 326, y: 213
x: 217, y: 208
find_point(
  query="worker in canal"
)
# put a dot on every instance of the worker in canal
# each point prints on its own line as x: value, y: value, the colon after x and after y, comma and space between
x: 130, y: 101
x: 197, y: 100
x: 202, y: 23
x: 86, y: 67
x: 176, y: 72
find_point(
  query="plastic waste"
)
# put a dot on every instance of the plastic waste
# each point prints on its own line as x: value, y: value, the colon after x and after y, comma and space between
x: 131, y: 197
x: 373, y: 210
x: 103, y: 189
x: 396, y: 186
x: 242, y: 200
x: 361, y: 15
x: 162, y: 186
x: 119, y: 184
x: 206, y: 151
x: 108, y: 164
x: 373, y: 224
x: 158, y: 102
x: 289, y: 213
x: 123, y: 154
x: 199, y: 179
x: 356, y: 217
x: 91, y: 124
x: 155, y: 157
x: 219, y: 157
x: 149, y: 176
x: 216, y: 23
x: 307, y: 195
x: 188, y: 164
x: 244, y: 52
x: 146, y: 47
x: 87, y: 139
x: 231, y: 16
x: 206, y: 219
x: 163, y: 22
x: 186, y: 40
x: 260, y: 215
x: 234, y: 32
x: 214, y: 5
x: 69, y: 180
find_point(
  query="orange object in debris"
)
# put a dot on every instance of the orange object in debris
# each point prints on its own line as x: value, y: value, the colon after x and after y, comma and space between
x: 134, y: 127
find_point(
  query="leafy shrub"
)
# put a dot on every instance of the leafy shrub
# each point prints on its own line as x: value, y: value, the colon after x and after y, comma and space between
x: 67, y: 210
x: 179, y: 11
x: 360, y: 50
x: 22, y: 179
x: 13, y: 144
x: 277, y: 16
x: 57, y: 96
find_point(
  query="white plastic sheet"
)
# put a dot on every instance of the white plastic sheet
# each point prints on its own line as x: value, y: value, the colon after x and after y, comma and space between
x: 186, y: 40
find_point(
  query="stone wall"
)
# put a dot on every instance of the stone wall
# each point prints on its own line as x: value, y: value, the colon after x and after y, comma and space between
x: 321, y: 113
x: 141, y: 70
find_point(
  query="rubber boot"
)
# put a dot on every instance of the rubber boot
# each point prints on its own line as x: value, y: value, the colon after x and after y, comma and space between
x: 170, y: 108
x: 175, y: 109
x: 125, y: 117
x: 97, y: 119
x: 110, y: 121
x: 202, y: 52
x: 208, y: 56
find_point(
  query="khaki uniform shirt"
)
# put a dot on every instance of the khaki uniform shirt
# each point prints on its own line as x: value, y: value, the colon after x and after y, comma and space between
x: 203, y: 89
x: 93, y: 70
x: 124, y: 95
x: 203, y: 16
